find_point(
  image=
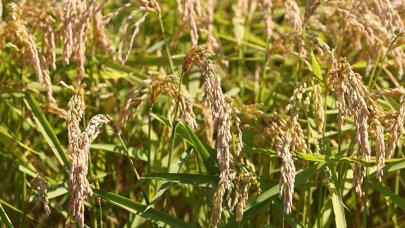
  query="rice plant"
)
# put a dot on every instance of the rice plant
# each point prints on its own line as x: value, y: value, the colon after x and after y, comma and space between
x: 189, y: 113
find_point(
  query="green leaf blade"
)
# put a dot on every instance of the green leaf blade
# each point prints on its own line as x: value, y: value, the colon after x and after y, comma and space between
x: 45, y: 128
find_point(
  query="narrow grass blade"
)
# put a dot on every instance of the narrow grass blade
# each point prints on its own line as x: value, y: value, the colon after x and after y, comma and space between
x: 337, y: 203
x: 4, y: 218
x: 290, y: 218
x: 338, y: 210
x: 153, y: 215
x: 120, y: 150
x: 394, y: 198
x: 45, y: 128
x: 316, y: 68
x: 164, y: 185
x: 205, y: 152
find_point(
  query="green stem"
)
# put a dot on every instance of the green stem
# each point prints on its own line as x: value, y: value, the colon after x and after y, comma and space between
x: 374, y: 77
x: 149, y: 142
x: 145, y: 195
x: 129, y: 158
x: 169, y: 56
x: 263, y: 75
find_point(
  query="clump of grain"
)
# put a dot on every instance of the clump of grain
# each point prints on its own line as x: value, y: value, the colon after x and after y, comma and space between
x: 293, y: 15
x: 351, y: 100
x: 190, y: 13
x: 121, y: 58
x: 79, y: 145
x: 223, y: 113
x: 26, y: 42
x: 78, y: 184
x: 358, y: 178
x: 236, y: 121
x: 293, y: 133
x: 266, y: 6
x: 217, y: 201
x: 269, y: 130
x: 40, y: 15
x: 220, y: 108
x: 368, y: 27
x: 135, y: 98
x: 397, y: 129
x: 212, y: 42
x: 169, y: 85
x: 40, y: 185
x: 286, y: 137
x: 75, y: 30
x: 287, y: 171
x: 145, y: 7
x: 237, y: 195
x: 156, y: 85
x: 293, y: 129
x: 378, y: 131
x: 101, y: 39
x: 351, y: 95
x: 354, y: 99
x: 318, y: 107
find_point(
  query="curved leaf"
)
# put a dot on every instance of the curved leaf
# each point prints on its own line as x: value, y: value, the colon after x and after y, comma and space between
x: 45, y: 128
x: 151, y: 214
x: 4, y: 218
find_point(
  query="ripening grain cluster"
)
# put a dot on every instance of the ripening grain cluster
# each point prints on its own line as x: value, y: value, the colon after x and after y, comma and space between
x: 250, y: 113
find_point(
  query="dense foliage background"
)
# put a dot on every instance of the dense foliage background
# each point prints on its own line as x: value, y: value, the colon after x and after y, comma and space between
x: 316, y: 86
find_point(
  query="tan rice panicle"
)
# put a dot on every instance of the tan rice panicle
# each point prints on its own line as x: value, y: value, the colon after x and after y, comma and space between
x: 26, y: 42
x: 266, y: 6
x: 192, y: 11
x: 378, y: 131
x: 123, y: 57
x: 293, y: 15
x: 76, y: 25
x: 397, y: 129
x: 150, y: 89
x: 101, y: 38
x: 40, y: 185
x: 351, y: 99
x: 79, y: 145
x: 221, y: 110
x: 238, y: 193
x: 212, y: 42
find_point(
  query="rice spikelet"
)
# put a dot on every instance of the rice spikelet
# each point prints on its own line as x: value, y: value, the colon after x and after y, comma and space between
x: 348, y: 86
x: 192, y: 10
x: 40, y: 185
x: 156, y: 85
x: 222, y: 115
x: 378, y: 131
x: 26, y: 42
x: 397, y: 129
x: 76, y: 25
x: 79, y: 145
x: 220, y: 108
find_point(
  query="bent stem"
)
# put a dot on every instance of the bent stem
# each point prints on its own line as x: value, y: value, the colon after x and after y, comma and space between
x: 129, y: 158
